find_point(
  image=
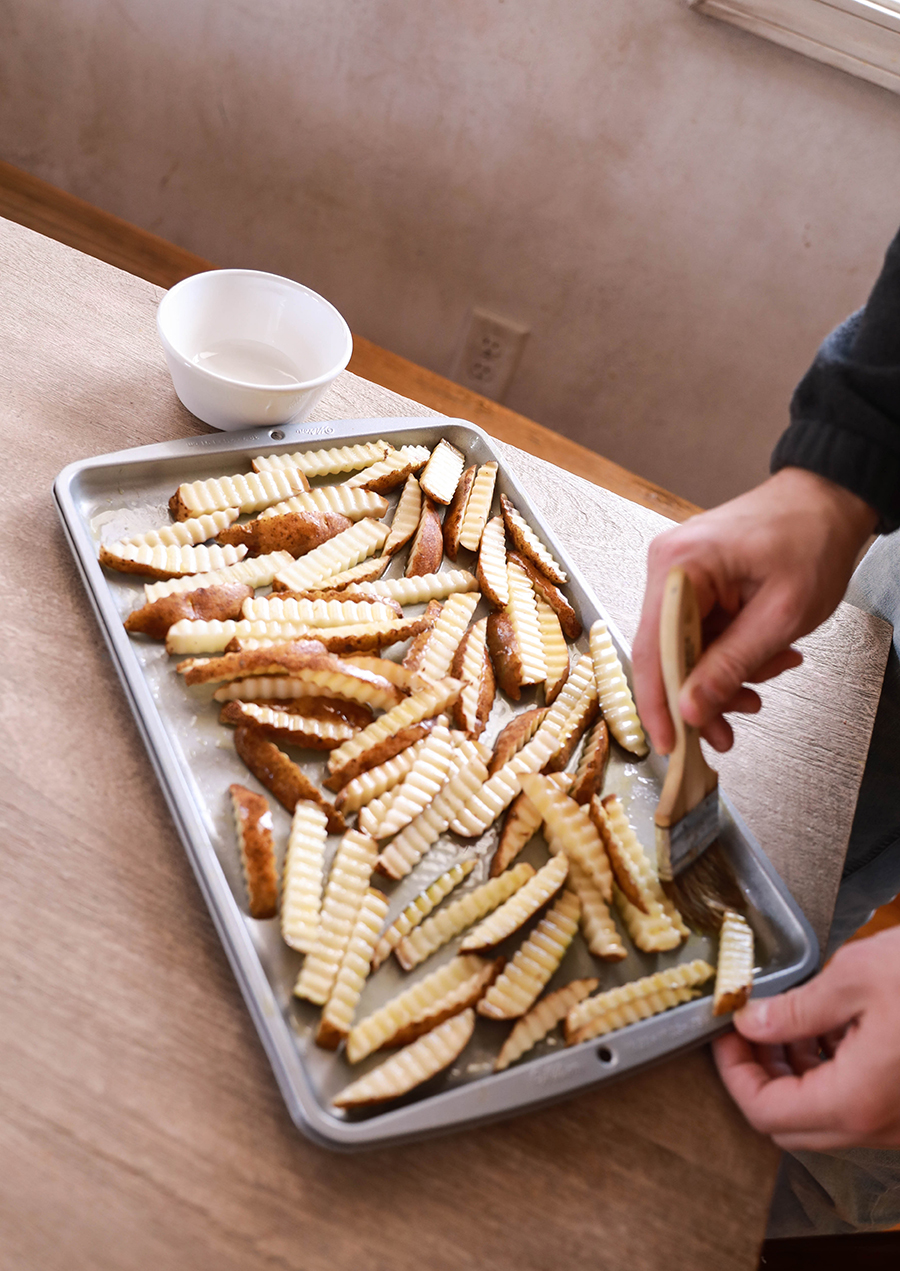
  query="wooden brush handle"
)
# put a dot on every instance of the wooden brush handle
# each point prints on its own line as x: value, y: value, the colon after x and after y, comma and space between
x: 689, y: 778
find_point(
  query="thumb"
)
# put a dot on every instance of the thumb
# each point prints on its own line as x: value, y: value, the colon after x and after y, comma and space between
x: 760, y: 630
x: 828, y: 1002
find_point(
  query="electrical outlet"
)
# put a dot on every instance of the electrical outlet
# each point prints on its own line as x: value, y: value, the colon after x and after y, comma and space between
x: 489, y: 354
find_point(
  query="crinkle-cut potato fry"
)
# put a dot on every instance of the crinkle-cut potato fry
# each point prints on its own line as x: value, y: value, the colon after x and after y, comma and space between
x: 577, y: 722
x: 304, y: 731
x: 541, y: 1019
x: 325, y: 463
x: 445, y: 636
x: 199, y: 529
x: 454, y: 987
x: 415, y: 1064
x: 520, y: 907
x: 442, y: 472
x: 441, y: 927
x: 406, y: 517
x: 606, y: 1012
x: 341, y: 552
x: 523, y: 821
x: 416, y: 650
x: 356, y: 638
x: 169, y: 562
x: 367, y: 571
x: 411, y: 844
x: 523, y: 614
x: 294, y: 532
x: 375, y: 782
x: 248, y: 491
x: 253, y: 825
x: 347, y: 884
x: 374, y: 744
x: 592, y: 765
x: 652, y: 932
x: 511, y: 738
x: 384, y: 474
x: 498, y: 792
x: 197, y: 635
x: 551, y: 595
x: 424, y: 587
x: 319, y: 613
x: 505, y: 653
x: 303, y: 876
x: 372, y: 815
x: 491, y: 568
x: 734, y: 972
x: 457, y: 510
x: 207, y: 603
x: 555, y: 651
x: 418, y: 909
x: 337, y: 1017
x: 616, y: 700
x: 472, y: 664
x: 478, y: 507
x: 255, y: 571
x: 527, y: 973
x: 422, y: 784
x: 569, y: 825
x: 354, y: 504
x: 317, y: 707
x: 389, y: 670
x: 597, y: 923
x: 528, y: 543
x: 274, y: 688
x: 305, y: 660
x: 280, y: 775
x: 630, y: 861
x: 427, y: 548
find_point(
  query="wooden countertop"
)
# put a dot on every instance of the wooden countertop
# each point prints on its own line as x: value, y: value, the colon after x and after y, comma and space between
x: 142, y: 1125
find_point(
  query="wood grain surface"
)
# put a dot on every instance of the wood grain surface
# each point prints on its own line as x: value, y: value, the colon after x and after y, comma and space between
x: 142, y: 1126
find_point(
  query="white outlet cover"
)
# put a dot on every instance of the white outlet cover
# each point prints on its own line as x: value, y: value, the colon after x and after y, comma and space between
x: 488, y: 354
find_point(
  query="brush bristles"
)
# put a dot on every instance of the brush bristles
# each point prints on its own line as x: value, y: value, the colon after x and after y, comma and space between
x: 706, y: 891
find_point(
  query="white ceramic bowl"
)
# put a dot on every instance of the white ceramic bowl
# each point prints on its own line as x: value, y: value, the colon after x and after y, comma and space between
x: 246, y: 348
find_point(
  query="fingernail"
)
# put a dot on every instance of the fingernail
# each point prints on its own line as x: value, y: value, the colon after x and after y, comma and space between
x: 693, y: 704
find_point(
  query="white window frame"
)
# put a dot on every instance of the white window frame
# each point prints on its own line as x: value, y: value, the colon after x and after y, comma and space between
x: 859, y: 36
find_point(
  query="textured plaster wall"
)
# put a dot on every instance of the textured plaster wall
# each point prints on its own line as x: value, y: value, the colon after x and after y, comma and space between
x: 678, y: 210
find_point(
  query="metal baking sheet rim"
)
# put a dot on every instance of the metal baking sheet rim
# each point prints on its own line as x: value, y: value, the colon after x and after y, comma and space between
x: 541, y: 1081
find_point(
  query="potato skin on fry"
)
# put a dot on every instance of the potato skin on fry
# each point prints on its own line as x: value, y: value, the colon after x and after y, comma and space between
x: 548, y: 590
x: 457, y: 510
x: 513, y: 737
x: 207, y: 603
x: 562, y: 756
x: 279, y: 774
x: 378, y: 754
x: 253, y: 823
x: 294, y: 532
x: 307, y: 737
x: 427, y: 549
x: 504, y: 650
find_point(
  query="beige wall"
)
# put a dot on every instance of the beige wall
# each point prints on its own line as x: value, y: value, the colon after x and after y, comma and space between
x: 678, y: 210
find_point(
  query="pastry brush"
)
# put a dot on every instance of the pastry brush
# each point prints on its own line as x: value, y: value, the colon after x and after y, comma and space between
x: 693, y: 868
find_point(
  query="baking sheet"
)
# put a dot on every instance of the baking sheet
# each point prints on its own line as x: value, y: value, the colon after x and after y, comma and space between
x: 113, y: 495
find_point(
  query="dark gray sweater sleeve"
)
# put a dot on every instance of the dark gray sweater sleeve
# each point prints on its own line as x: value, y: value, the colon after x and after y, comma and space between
x: 845, y: 412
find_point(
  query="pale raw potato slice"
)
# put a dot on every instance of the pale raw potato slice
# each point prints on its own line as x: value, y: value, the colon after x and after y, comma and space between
x: 592, y: 765
x: 256, y: 571
x: 421, y: 705
x: 337, y: 1017
x: 569, y: 824
x: 418, y: 910
x: 406, y: 517
x: 734, y: 973
x: 341, y: 552
x: 392, y: 671
x: 616, y: 700
x: 491, y: 568
x: 526, y: 975
x: 199, y: 529
x: 347, y: 883
x: 529, y: 544
x: 599, y: 926
x: 511, y: 739
x: 279, y: 774
x: 249, y: 492
x: 441, y: 927
x: 377, y: 781
x: 422, y: 784
x: 442, y: 472
x: 523, y: 615
x: 365, y: 572
x: 325, y: 463
x: 453, y: 519
x: 423, y: 588
x: 169, y: 562
x: 354, y: 504
x: 293, y: 730
x: 372, y: 815
x: 427, y: 548
x: 519, y: 908
x: 213, y: 635
x: 355, y: 638
x: 523, y: 821
x: 411, y: 844
x: 630, y: 861
x: 551, y: 595
x: 253, y: 825
x: 444, y: 637
x: 582, y: 716
x: 318, y: 613
x: 543, y: 1017
x: 384, y: 474
x: 303, y: 877
x: 555, y: 650
x: 498, y: 791
x: 410, y: 1067
x: 478, y: 508
x: 596, y: 1016
x: 273, y: 688
x: 472, y: 664
x: 445, y: 992
x: 651, y: 932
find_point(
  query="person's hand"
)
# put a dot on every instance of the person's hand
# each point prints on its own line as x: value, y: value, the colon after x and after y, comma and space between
x: 818, y: 1068
x: 767, y: 567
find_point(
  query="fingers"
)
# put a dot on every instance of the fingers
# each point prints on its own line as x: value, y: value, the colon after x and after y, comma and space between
x: 778, y: 1102
x: 784, y: 660
x: 830, y: 1001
